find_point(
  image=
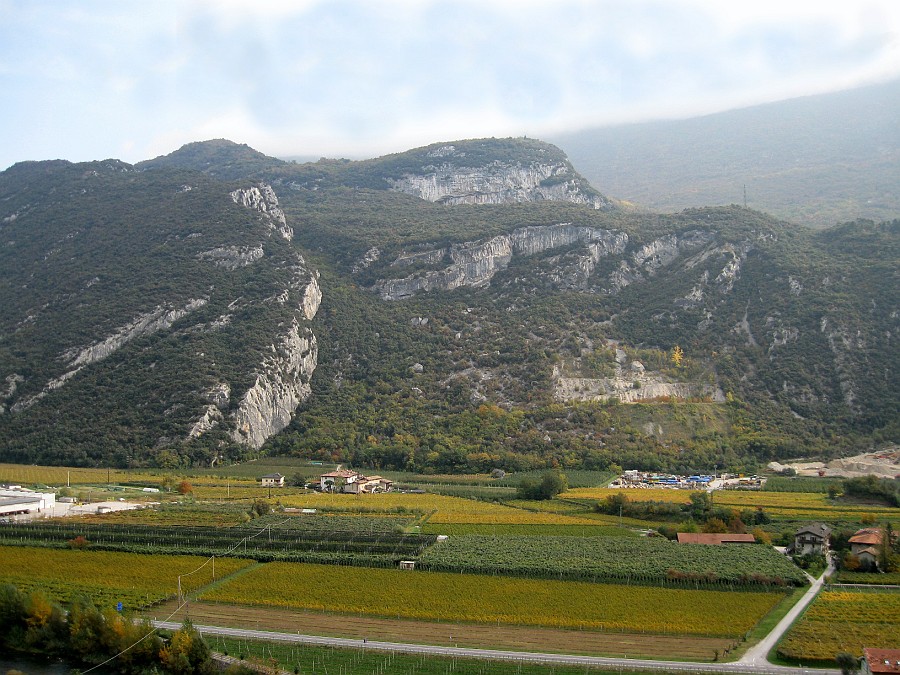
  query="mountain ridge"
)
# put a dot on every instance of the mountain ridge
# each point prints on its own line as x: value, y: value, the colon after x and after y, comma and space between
x: 275, y: 314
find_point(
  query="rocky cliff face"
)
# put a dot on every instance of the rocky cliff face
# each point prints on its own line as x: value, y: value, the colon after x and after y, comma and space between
x: 282, y: 383
x: 455, y: 181
x: 186, y: 318
x: 476, y: 263
x: 262, y: 198
x: 281, y: 380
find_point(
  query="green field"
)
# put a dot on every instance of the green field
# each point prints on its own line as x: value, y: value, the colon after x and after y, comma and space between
x: 312, y: 659
x: 618, y: 560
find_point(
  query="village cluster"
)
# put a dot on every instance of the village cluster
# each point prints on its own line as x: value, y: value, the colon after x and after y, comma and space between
x: 646, y: 480
x: 341, y: 480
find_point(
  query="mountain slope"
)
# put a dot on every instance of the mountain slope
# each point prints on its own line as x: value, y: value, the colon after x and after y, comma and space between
x: 819, y: 160
x: 142, y: 310
x: 167, y: 316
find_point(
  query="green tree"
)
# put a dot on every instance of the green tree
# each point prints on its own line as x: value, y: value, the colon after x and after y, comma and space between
x: 848, y: 663
x: 187, y: 653
x: 548, y: 486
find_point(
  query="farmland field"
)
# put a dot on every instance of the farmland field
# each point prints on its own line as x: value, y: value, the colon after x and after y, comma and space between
x: 272, y: 540
x: 519, y: 638
x: 348, y: 661
x: 504, y: 530
x: 443, y: 509
x: 106, y: 577
x: 844, y: 621
x: 614, y: 560
x: 440, y: 596
x: 791, y: 505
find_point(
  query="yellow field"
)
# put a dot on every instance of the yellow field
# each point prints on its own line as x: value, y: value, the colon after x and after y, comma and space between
x: 107, y: 577
x: 570, y: 508
x: 506, y: 600
x: 444, y: 509
x: 844, y: 621
x: 798, y: 505
x: 240, y: 490
x: 60, y: 475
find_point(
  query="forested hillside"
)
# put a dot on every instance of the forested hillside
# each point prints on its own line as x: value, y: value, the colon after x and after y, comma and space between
x: 481, y: 306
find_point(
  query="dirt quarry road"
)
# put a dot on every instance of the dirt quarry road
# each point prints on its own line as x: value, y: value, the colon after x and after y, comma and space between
x: 885, y: 464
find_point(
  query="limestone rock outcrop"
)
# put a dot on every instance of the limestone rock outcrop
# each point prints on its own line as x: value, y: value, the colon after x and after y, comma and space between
x: 476, y: 263
x: 262, y: 198
x: 282, y: 383
x: 498, y: 183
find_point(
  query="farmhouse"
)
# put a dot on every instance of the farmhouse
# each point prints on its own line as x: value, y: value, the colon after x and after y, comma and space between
x: 715, y: 539
x: 336, y: 481
x: 353, y: 482
x: 868, y: 537
x: 812, y: 539
x: 880, y: 661
x: 272, y: 480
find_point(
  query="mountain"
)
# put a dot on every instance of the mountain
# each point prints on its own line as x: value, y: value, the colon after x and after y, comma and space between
x: 818, y: 160
x: 144, y: 310
x: 221, y: 158
x: 463, y: 306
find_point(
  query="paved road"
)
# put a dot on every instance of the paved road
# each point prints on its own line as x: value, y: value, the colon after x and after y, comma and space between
x: 503, y: 655
x: 756, y: 655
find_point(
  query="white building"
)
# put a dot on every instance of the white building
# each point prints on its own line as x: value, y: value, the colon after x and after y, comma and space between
x: 19, y: 501
x: 272, y: 480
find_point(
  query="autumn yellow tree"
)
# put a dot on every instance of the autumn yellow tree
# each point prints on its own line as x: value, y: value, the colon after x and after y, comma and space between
x: 677, y: 356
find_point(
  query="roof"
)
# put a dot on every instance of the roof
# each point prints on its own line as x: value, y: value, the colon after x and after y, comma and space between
x: 715, y: 539
x: 882, y: 660
x: 276, y: 476
x: 817, y: 529
x: 343, y: 473
x: 871, y: 550
x: 873, y: 538
x: 12, y: 501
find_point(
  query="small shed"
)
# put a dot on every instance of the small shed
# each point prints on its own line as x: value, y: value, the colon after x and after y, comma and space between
x: 715, y: 539
x: 407, y: 564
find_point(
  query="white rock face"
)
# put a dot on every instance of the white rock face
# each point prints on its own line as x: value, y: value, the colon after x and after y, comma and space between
x: 159, y: 319
x: 311, y: 299
x: 282, y: 384
x: 621, y: 387
x: 264, y: 200
x: 476, y: 263
x: 370, y: 256
x: 233, y: 257
x: 12, y: 383
x: 207, y: 422
x: 496, y: 183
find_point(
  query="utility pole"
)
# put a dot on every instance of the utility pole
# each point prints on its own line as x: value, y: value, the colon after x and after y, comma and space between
x: 745, y: 195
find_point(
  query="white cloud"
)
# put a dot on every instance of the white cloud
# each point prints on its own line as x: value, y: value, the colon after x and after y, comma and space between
x: 357, y: 77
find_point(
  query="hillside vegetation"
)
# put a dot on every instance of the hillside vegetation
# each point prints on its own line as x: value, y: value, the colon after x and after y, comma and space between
x: 533, y: 315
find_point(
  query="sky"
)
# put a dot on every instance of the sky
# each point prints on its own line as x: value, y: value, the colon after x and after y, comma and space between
x: 134, y: 79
